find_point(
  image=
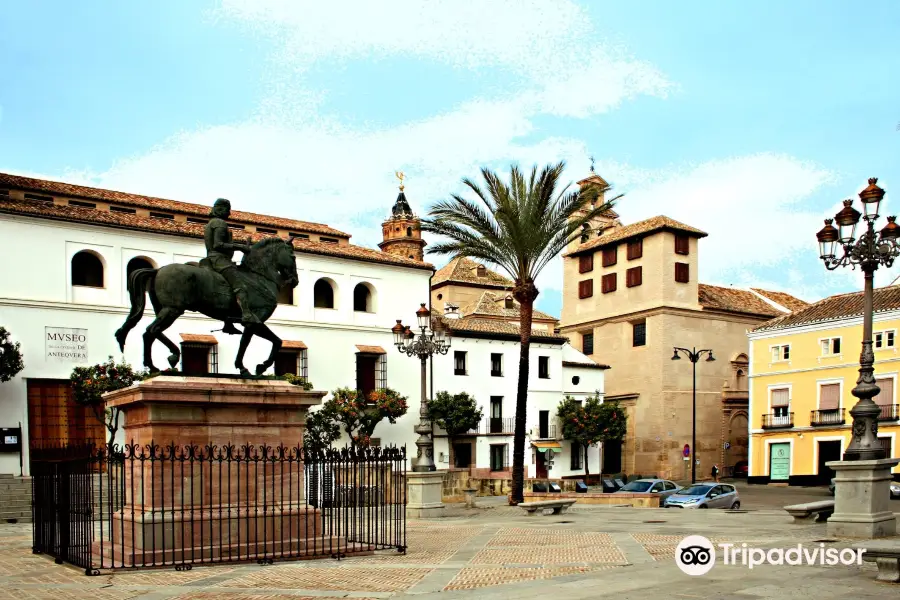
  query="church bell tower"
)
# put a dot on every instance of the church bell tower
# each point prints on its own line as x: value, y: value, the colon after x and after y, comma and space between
x: 402, y: 231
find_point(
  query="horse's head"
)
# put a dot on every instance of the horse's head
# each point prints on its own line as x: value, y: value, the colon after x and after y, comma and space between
x: 273, y: 258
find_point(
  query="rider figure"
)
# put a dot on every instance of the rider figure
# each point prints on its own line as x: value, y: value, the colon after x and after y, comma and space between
x: 220, y: 249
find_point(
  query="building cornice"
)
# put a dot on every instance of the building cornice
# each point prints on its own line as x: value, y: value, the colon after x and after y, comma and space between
x: 855, y: 321
x: 851, y: 365
x: 670, y: 310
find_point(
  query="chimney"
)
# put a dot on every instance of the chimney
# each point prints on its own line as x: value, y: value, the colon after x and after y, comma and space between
x: 451, y: 311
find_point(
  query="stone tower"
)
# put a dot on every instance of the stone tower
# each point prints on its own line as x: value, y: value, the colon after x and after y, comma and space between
x: 601, y: 223
x: 402, y: 231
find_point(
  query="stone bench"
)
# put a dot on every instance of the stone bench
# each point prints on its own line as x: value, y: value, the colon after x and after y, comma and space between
x: 885, y: 554
x: 558, y: 506
x: 801, y: 512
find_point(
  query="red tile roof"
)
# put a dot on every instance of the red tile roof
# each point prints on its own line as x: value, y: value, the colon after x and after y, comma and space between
x: 786, y: 300
x: 713, y: 297
x: 465, y: 270
x: 618, y: 234
x: 834, y: 308
x: 293, y: 345
x: 46, y: 210
x: 134, y: 200
x: 370, y: 349
x: 492, y: 304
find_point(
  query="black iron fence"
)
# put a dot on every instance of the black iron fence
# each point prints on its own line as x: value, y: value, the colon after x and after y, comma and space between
x: 157, y: 506
x: 777, y: 420
x: 889, y: 412
x: 833, y: 416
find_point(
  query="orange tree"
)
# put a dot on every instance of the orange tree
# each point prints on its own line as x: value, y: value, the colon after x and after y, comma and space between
x: 519, y: 226
x: 358, y: 416
x: 591, y: 422
x: 90, y: 383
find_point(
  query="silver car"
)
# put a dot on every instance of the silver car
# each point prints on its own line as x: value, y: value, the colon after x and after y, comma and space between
x: 705, y: 495
x: 658, y: 487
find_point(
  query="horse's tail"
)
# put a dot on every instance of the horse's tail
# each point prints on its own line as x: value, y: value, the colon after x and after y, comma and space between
x: 138, y: 283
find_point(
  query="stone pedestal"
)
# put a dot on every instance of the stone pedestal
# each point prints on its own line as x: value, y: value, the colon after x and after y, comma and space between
x: 470, y: 497
x: 212, y: 470
x: 862, y: 499
x: 423, y: 494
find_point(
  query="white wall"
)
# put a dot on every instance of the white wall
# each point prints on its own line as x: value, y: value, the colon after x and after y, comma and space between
x: 35, y: 294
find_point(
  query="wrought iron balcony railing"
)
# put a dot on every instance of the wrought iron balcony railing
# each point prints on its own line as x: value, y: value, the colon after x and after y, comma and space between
x: 545, y: 433
x: 774, y: 421
x: 501, y: 425
x: 833, y: 416
x: 889, y: 412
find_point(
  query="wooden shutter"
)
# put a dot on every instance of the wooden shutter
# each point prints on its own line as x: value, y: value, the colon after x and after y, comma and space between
x: 829, y: 396
x: 633, y: 277
x: 781, y: 397
x: 886, y: 396
x: 585, y: 263
x: 635, y: 249
x: 682, y: 272
x: 609, y: 256
x: 586, y: 288
x: 682, y: 244
x: 608, y: 283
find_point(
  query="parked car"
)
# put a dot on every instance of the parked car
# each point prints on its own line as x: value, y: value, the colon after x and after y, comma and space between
x: 740, y: 469
x: 660, y: 487
x: 705, y: 495
x: 895, y: 489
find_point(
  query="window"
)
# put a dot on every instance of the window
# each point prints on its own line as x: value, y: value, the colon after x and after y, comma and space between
x: 291, y: 360
x: 885, y: 397
x: 635, y: 249
x: 362, y: 298
x: 302, y: 236
x: 682, y: 272
x: 327, y: 240
x: 608, y: 283
x: 496, y: 407
x: 633, y: 277
x: 459, y: 362
x: 781, y: 402
x: 235, y: 226
x: 657, y: 487
x: 198, y: 358
x: 197, y: 220
x: 159, y: 215
x: 576, y: 380
x: 496, y: 365
x: 371, y: 372
x: 87, y: 270
x: 81, y: 204
x: 4, y: 193
x: 585, y: 263
x: 781, y: 353
x: 670, y: 486
x: 830, y: 346
x: 130, y: 211
x: 609, y: 256
x: 499, y: 457
x: 286, y: 295
x: 585, y: 288
x: 682, y: 244
x: 829, y: 396
x: 884, y: 339
x: 577, y: 457
x: 323, y: 294
x: 543, y: 367
x: 265, y: 230
x: 409, y: 232
x: 509, y: 303
x: 39, y: 197
x: 585, y: 232
x: 136, y: 263
x: 587, y: 343
x: 639, y: 333
x: 482, y: 271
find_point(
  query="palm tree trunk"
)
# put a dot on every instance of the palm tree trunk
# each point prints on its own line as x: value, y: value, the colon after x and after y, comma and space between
x: 518, y: 474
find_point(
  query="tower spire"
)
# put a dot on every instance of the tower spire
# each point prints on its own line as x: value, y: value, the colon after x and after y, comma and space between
x: 402, y: 232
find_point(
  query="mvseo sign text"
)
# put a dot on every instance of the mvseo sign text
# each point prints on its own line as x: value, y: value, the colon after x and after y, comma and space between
x: 66, y: 345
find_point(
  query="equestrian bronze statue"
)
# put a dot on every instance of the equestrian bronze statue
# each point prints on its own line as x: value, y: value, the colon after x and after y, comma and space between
x: 216, y: 287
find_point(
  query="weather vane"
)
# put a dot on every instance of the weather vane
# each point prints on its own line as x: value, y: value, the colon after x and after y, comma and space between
x: 592, y: 164
x: 401, y: 176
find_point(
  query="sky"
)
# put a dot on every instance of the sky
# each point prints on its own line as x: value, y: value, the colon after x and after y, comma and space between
x: 750, y: 121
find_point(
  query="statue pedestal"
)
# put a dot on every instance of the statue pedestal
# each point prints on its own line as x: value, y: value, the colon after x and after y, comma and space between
x: 862, y: 499
x: 214, y: 473
x: 424, y: 495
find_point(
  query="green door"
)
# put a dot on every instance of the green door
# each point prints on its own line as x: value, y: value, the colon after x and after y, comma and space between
x: 779, y: 462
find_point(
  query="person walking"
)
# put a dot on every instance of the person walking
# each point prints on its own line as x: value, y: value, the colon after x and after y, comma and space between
x: 715, y: 473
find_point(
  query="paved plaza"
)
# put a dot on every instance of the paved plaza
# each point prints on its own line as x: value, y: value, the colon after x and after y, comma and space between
x: 493, y: 552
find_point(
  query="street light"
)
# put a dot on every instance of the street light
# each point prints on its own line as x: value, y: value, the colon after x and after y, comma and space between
x: 870, y: 251
x: 694, y: 356
x: 437, y: 341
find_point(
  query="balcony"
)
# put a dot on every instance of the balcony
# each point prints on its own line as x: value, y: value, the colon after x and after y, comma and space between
x: 889, y: 412
x: 773, y: 421
x: 496, y: 373
x: 501, y: 426
x: 819, y: 418
x: 547, y: 432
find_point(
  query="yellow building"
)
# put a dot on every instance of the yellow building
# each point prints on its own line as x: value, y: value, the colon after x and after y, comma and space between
x: 803, y: 367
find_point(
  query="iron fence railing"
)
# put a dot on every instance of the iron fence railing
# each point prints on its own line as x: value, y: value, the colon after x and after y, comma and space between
x: 833, y: 416
x: 153, y: 506
x: 775, y: 421
x: 889, y: 412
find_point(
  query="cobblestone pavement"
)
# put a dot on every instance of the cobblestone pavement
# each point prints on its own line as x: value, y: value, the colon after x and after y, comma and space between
x: 491, y: 552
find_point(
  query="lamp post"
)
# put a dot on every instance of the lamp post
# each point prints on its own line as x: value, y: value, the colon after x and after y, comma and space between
x: 424, y: 346
x: 693, y: 355
x: 869, y: 252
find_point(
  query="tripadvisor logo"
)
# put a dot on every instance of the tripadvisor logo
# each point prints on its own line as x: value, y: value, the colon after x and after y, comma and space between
x: 696, y: 555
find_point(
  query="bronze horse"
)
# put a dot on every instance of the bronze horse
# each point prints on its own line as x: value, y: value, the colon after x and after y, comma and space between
x: 174, y: 289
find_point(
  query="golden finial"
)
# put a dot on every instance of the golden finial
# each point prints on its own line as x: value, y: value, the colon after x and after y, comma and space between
x: 401, y: 176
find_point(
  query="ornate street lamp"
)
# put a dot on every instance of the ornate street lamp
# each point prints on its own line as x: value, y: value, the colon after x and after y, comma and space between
x: 872, y: 250
x: 694, y: 356
x: 437, y: 341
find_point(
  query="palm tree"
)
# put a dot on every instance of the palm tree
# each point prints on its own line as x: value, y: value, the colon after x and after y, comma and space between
x: 519, y: 227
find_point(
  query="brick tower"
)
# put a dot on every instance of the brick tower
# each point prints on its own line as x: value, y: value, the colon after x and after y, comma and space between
x: 402, y: 231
